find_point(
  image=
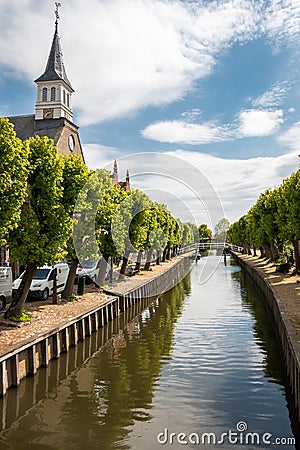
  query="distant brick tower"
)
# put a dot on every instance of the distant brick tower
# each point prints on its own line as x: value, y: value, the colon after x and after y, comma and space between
x: 115, y: 178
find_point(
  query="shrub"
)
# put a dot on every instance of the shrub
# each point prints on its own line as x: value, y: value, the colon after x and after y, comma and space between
x: 23, y: 317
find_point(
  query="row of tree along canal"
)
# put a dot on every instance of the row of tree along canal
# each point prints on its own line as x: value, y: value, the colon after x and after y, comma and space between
x: 39, y: 189
x: 200, y: 359
x: 272, y: 225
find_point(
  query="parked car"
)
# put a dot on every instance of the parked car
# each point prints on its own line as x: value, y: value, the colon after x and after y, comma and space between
x: 5, y: 286
x: 42, y: 283
x: 89, y: 268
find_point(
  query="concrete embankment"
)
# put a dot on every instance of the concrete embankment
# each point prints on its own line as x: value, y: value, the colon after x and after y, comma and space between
x: 27, y: 356
x: 133, y: 290
x: 282, y: 300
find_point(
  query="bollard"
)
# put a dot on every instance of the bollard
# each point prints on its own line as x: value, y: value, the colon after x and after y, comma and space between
x: 81, y: 285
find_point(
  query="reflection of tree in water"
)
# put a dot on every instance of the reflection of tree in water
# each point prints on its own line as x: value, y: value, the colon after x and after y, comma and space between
x: 263, y: 328
x: 123, y: 379
x: 268, y: 342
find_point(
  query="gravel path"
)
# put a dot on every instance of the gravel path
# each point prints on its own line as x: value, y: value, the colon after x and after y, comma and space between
x: 286, y: 286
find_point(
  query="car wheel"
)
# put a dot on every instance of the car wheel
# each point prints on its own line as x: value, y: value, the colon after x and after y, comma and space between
x: 2, y: 303
x: 45, y: 294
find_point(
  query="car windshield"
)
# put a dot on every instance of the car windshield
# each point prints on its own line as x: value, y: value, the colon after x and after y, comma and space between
x: 89, y: 264
x: 41, y: 274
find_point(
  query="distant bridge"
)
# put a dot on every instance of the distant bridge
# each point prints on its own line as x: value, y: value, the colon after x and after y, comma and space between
x: 211, y: 245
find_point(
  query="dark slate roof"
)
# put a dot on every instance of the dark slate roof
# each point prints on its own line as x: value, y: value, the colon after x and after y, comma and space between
x: 24, y: 125
x: 55, y: 69
x: 27, y: 126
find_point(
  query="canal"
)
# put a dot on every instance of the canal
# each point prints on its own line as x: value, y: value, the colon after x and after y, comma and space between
x: 198, y: 367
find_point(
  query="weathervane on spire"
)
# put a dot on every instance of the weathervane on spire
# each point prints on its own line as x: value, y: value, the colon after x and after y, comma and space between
x: 57, y: 5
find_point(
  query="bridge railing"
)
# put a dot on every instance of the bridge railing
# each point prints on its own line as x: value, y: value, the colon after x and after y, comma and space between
x: 208, y: 246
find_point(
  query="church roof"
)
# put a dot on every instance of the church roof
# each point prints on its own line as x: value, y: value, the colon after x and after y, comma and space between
x: 26, y: 127
x: 55, y: 68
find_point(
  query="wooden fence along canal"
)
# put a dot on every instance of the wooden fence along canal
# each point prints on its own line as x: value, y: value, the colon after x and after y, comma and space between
x: 25, y: 359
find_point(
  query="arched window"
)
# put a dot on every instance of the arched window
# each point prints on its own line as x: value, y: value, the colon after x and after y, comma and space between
x: 53, y: 94
x: 45, y: 94
x: 64, y: 97
x: 68, y: 100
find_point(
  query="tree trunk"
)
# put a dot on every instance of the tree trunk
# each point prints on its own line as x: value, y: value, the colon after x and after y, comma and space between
x: 274, y: 250
x: 17, y: 304
x: 254, y: 251
x: 102, y: 270
x: 54, y: 295
x: 125, y: 262
x: 297, y: 255
x: 149, y: 258
x: 164, y: 254
x: 168, y: 253
x: 157, y: 262
x: 68, y: 290
x: 138, y: 261
x: 262, y: 252
x: 268, y: 251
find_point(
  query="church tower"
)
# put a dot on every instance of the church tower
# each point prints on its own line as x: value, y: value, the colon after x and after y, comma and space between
x: 54, y: 90
x: 53, y: 110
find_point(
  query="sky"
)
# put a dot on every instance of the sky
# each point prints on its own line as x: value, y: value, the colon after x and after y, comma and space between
x: 199, y: 99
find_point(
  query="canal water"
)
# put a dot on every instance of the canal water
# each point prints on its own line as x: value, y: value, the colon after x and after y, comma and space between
x: 199, y: 367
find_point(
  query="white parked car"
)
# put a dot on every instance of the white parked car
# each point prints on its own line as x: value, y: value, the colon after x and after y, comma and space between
x: 42, y: 282
x: 5, y: 286
x: 89, y: 268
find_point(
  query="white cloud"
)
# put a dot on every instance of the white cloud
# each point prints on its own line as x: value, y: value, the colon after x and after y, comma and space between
x: 282, y: 21
x: 181, y: 183
x: 239, y: 182
x: 255, y: 122
x: 96, y: 155
x: 291, y: 137
x: 274, y: 97
x: 249, y: 123
x: 122, y: 55
x: 178, y: 131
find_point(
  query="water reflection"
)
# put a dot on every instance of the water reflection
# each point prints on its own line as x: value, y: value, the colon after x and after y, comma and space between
x: 95, y: 405
x: 198, y: 359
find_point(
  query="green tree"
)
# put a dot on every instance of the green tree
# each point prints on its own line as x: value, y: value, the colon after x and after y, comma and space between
x: 187, y: 235
x: 195, y: 231
x: 204, y: 232
x: 110, y: 238
x: 221, y: 229
x: 75, y: 176
x: 14, y: 169
x: 289, y: 213
x: 44, y: 226
x: 135, y: 214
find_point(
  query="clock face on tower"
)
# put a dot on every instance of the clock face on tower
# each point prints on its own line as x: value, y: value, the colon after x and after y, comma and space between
x: 48, y: 113
x: 71, y: 141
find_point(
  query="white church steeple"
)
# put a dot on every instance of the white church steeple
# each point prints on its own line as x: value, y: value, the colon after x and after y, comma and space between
x: 54, y: 90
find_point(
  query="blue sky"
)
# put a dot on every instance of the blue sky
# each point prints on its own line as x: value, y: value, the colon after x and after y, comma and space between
x: 216, y: 83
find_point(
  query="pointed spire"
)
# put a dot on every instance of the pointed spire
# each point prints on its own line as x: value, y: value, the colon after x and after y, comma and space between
x: 115, y: 167
x: 55, y: 69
